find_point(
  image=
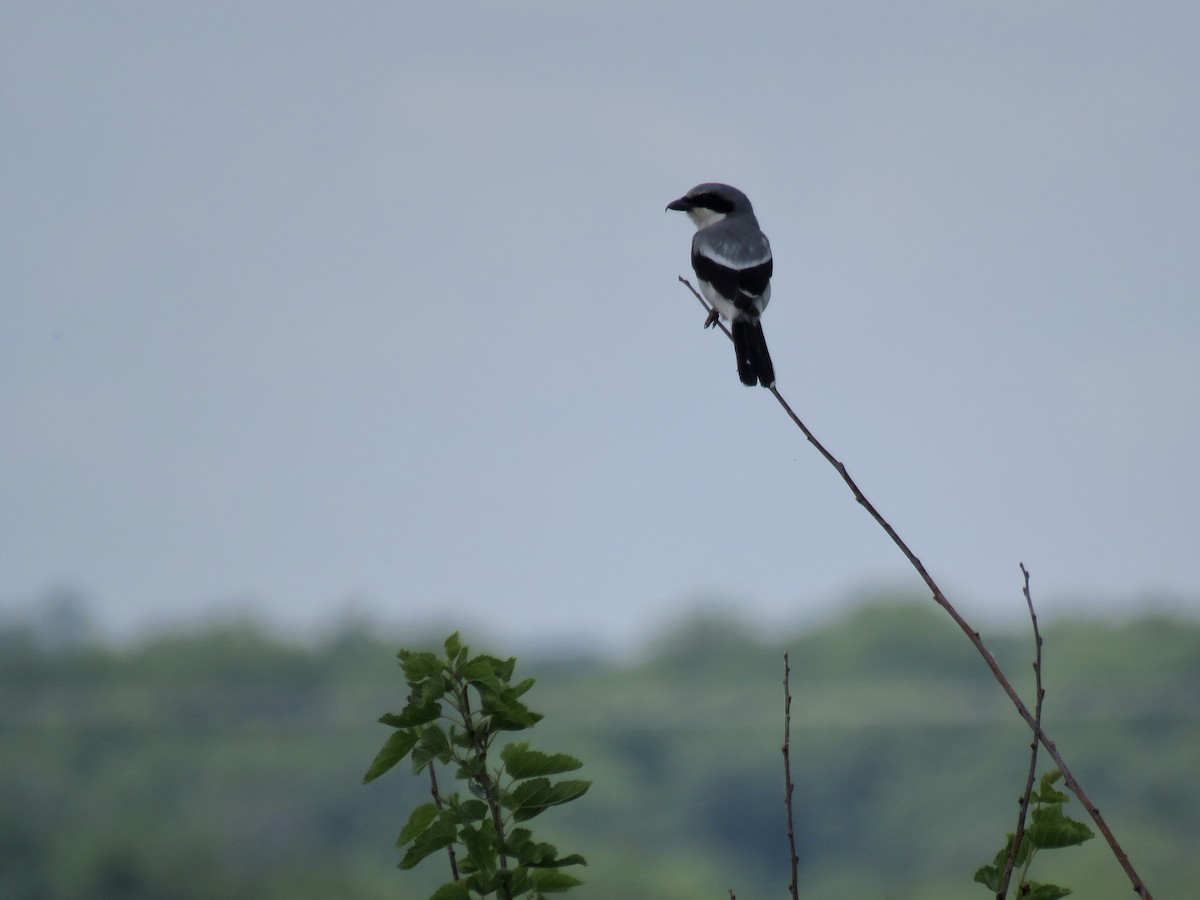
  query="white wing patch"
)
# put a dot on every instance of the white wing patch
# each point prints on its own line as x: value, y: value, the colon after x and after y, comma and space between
x: 737, y: 254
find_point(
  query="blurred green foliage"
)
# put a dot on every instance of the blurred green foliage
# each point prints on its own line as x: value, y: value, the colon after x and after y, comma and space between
x: 228, y: 763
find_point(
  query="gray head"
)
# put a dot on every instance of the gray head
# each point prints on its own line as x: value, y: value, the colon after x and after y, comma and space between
x: 709, y: 203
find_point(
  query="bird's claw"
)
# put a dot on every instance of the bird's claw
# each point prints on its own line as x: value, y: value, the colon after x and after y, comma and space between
x: 713, y: 315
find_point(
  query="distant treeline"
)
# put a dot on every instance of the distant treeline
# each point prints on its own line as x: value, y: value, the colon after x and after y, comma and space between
x: 228, y: 763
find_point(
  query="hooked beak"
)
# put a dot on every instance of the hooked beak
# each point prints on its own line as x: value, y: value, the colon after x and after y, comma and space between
x: 680, y: 205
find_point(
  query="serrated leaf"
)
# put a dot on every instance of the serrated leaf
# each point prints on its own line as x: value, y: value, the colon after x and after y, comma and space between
x: 531, y: 798
x: 432, y: 744
x: 530, y: 793
x: 989, y: 877
x: 412, y: 715
x: 545, y: 856
x: 553, y: 881
x: 517, y: 880
x: 1046, y: 792
x: 1051, y: 778
x: 480, y: 844
x: 500, y: 668
x: 419, y: 665
x: 394, y: 749
x: 460, y: 738
x: 454, y: 890
x: 470, y: 811
x: 1045, y: 891
x: 432, y: 690
x: 436, y: 837
x: 1050, y: 829
x: 1001, y: 859
x: 480, y: 673
x: 523, y: 686
x: 516, y: 843
x: 1049, y: 796
x: 568, y: 790
x: 486, y: 884
x: 520, y: 762
x: 506, y: 712
x: 469, y: 769
x: 419, y: 820
x: 536, y: 854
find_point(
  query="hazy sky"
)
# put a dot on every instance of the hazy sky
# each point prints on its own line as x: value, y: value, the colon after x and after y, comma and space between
x: 312, y: 304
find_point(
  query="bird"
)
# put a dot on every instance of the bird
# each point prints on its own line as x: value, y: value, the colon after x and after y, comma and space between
x: 732, y: 260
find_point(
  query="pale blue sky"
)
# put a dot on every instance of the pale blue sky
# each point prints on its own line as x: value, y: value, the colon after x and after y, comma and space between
x: 307, y: 304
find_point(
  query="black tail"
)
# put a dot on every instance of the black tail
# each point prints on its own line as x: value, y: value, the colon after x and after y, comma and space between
x: 750, y: 345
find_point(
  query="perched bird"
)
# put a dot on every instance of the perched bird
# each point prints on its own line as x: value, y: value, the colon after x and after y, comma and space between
x: 732, y: 259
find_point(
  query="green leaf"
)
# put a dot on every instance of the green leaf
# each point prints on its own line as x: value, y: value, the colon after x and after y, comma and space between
x: 1049, y: 796
x: 413, y: 714
x: 470, y: 768
x: 394, y: 749
x: 507, y: 713
x: 1050, y: 829
x: 469, y: 811
x: 480, y: 844
x: 1053, y: 777
x: 538, y: 854
x: 517, y: 880
x: 553, y: 881
x: 573, y: 860
x: 520, y: 762
x: 419, y: 665
x: 432, y: 690
x: 989, y: 877
x: 531, y: 798
x: 1044, y: 891
x: 481, y: 673
x: 453, y: 646
x: 1001, y: 859
x: 501, y: 668
x: 436, y: 837
x: 1046, y: 792
x: 454, y: 890
x: 420, y: 819
x: 568, y: 790
x: 433, y: 744
x: 521, y: 687
x: 534, y: 792
x: 489, y: 883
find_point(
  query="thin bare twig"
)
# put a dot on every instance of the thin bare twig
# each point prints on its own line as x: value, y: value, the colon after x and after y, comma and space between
x: 439, y: 803
x: 789, y: 786
x: 1139, y: 886
x: 1040, y: 695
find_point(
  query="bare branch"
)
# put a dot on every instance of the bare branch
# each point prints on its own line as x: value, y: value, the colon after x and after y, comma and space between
x: 1139, y: 886
x: 1040, y: 695
x: 437, y: 800
x: 789, y: 786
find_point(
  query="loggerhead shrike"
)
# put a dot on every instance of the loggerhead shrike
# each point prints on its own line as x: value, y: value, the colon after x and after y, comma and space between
x: 732, y: 259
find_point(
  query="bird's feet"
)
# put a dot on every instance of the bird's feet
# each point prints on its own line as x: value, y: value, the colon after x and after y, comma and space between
x: 713, y: 315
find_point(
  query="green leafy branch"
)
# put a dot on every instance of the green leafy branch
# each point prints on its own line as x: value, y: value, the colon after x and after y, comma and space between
x: 1049, y: 829
x: 457, y: 708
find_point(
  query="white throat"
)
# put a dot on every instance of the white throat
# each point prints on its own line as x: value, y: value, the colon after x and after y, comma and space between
x: 704, y: 217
